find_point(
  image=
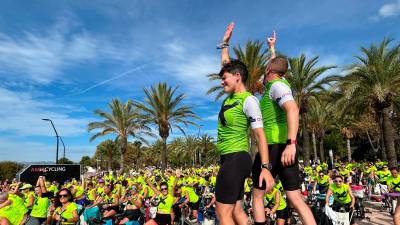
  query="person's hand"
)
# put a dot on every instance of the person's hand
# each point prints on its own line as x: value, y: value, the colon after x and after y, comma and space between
x: 272, y: 212
x: 57, y: 217
x: 266, y: 176
x: 288, y: 155
x: 228, y: 33
x: 271, y: 40
x: 352, y: 207
x: 267, y: 211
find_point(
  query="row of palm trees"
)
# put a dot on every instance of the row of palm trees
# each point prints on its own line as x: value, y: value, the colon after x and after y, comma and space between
x: 181, y: 152
x: 361, y: 102
x: 161, y: 109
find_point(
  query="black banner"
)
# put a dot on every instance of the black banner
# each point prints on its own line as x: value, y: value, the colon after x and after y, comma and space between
x: 59, y: 173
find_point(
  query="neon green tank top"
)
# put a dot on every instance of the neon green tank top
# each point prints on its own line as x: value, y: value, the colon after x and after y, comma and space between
x: 67, y: 213
x: 39, y: 209
x: 18, y: 203
x: 233, y: 125
x: 274, y: 117
x: 394, y: 184
x: 193, y: 197
x: 12, y: 214
x: 341, y: 194
x: 165, y: 204
x: 270, y: 200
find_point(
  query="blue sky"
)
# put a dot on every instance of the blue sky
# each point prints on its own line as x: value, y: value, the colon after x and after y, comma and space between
x: 64, y: 59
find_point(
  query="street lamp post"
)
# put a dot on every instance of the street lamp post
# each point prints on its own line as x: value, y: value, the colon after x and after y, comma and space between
x: 52, y: 124
x: 63, y: 146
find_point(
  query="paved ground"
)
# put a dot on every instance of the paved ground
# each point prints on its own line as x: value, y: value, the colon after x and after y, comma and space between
x: 375, y: 215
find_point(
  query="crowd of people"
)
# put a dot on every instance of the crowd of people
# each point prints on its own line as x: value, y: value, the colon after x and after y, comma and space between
x: 238, y: 191
x: 176, y: 194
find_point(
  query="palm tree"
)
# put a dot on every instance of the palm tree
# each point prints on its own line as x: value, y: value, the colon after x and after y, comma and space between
x: 107, y: 150
x: 123, y: 121
x: 162, y: 109
x: 320, y: 120
x: 207, y: 144
x: 372, y: 83
x: 255, y: 59
x: 306, y: 82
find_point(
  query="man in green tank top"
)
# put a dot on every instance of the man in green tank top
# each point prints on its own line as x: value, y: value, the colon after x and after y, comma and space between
x: 239, y: 112
x: 281, y: 121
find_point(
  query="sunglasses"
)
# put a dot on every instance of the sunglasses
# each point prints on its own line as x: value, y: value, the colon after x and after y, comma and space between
x: 164, y: 189
x: 338, y: 181
x: 63, y: 196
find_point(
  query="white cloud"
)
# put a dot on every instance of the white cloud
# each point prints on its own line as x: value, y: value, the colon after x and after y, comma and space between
x: 42, y: 57
x: 190, y: 66
x: 211, y: 118
x: 390, y: 9
x: 21, y: 115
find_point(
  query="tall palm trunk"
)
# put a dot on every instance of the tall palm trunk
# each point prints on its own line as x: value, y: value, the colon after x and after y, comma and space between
x: 164, y: 155
x: 321, y: 149
x: 314, y: 140
x: 124, y: 145
x: 382, y: 135
x: 109, y: 163
x: 388, y: 134
x: 306, y: 140
x: 348, y: 149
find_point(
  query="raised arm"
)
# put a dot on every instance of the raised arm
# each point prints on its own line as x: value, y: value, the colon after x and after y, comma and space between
x: 224, y: 46
x: 152, y: 186
x: 41, y: 183
x: 271, y: 44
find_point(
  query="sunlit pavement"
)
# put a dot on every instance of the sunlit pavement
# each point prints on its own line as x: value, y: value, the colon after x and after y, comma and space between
x: 375, y: 215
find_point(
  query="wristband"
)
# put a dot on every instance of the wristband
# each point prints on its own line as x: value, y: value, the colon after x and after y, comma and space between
x: 222, y: 45
x: 291, y: 141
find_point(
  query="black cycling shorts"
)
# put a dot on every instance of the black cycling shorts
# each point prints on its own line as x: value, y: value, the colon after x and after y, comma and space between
x: 235, y: 167
x: 194, y: 206
x: 133, y: 214
x: 282, y: 214
x: 162, y: 219
x: 289, y: 176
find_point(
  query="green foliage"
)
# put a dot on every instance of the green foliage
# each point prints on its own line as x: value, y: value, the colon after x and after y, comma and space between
x: 334, y: 140
x: 65, y: 161
x: 9, y: 169
x: 85, y: 161
x: 107, y: 153
x: 124, y: 121
x: 163, y: 108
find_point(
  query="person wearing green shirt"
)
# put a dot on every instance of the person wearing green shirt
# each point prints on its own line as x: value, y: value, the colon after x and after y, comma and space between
x: 342, y: 194
x: 29, y: 196
x: 240, y: 112
x: 280, y: 115
x: 275, y: 204
x: 65, y: 211
x: 42, y: 202
x: 322, y: 181
x: 384, y: 175
x: 164, y: 208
